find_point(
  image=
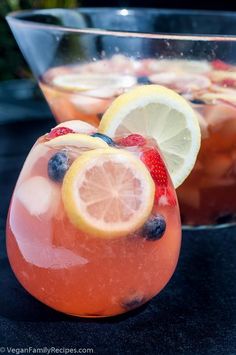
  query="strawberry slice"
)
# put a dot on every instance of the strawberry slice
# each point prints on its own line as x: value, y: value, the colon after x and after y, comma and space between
x: 164, y: 196
x: 153, y: 161
x: 228, y: 82
x: 59, y: 131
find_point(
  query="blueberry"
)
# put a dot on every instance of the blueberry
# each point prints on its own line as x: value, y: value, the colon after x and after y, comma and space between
x: 143, y: 80
x: 154, y: 228
x: 197, y: 102
x: 57, y: 166
x: 106, y: 139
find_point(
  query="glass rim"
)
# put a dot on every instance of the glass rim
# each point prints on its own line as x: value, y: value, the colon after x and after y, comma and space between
x: 21, y: 18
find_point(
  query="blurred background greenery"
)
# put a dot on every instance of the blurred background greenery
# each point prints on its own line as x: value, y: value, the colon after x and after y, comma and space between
x: 12, y: 64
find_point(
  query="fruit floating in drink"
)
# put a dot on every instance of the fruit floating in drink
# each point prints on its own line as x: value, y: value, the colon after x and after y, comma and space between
x: 86, y: 91
x: 94, y: 227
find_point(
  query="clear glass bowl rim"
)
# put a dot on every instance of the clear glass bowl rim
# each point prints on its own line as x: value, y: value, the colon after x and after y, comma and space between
x: 20, y: 17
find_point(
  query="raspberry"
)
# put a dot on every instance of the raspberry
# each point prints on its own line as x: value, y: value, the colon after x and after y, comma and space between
x: 60, y: 131
x: 132, y: 140
x: 220, y: 65
x: 153, y: 161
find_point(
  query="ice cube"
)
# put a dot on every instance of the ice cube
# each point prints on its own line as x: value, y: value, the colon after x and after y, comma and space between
x: 37, y: 152
x: 90, y: 105
x: 39, y: 196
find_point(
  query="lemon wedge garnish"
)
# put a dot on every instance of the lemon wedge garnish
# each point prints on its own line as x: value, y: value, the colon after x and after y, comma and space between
x: 161, y: 113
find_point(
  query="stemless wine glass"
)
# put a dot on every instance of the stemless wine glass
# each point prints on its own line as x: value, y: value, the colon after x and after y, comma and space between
x: 86, y: 234
x: 84, y: 58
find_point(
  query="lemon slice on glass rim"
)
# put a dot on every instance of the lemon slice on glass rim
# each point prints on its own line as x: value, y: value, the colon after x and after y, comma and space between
x: 158, y: 112
x: 108, y: 193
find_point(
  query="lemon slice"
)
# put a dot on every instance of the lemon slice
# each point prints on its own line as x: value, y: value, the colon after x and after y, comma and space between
x: 158, y: 112
x: 85, y: 82
x: 81, y: 141
x: 108, y: 193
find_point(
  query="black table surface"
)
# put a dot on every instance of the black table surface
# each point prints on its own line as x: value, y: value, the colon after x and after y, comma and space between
x: 194, y: 314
